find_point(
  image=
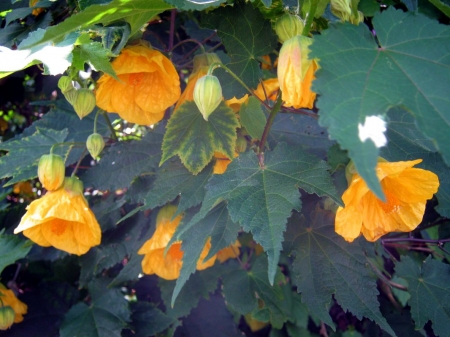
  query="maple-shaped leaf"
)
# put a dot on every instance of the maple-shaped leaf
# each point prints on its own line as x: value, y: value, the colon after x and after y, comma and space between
x: 430, y: 292
x: 359, y: 80
x: 173, y: 180
x: 246, y: 35
x: 195, y: 140
x: 325, y: 266
x: 95, y: 54
x: 261, y: 199
x: 216, y: 225
x: 106, y: 316
x: 24, y: 154
x: 124, y: 161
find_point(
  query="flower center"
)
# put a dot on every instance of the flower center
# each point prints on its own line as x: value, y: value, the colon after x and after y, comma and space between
x: 58, y: 227
x: 135, y: 79
x: 392, y: 203
x: 175, y: 251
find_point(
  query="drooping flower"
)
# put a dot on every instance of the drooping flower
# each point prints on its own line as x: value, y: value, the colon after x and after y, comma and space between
x: 149, y: 84
x: 169, y: 266
x: 406, y: 189
x: 230, y: 252
x: 62, y: 219
x: 8, y: 300
x: 296, y: 73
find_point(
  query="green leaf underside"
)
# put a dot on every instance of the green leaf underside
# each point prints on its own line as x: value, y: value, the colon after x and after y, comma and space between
x: 326, y: 265
x: 253, y: 118
x: 262, y: 200
x: 430, y: 292
x: 406, y: 142
x: 23, y: 154
x: 12, y: 248
x: 195, y: 140
x: 194, y: 5
x: 357, y: 79
x: 125, y: 161
x: 246, y: 36
x: 105, y: 317
x: 172, y: 180
x: 218, y: 226
x: 135, y: 12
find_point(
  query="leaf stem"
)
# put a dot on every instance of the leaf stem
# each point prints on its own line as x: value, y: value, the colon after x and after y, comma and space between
x: 219, y: 64
x: 385, y: 279
x: 202, y: 47
x: 108, y: 122
x: 95, y: 120
x: 273, y: 113
x: 78, y: 163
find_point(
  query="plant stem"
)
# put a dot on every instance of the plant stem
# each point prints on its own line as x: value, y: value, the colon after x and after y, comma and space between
x: 273, y: 113
x: 95, y: 120
x: 189, y: 40
x: 173, y: 14
x: 219, y: 64
x: 385, y: 279
x: 108, y: 122
x: 78, y: 163
x: 310, y: 18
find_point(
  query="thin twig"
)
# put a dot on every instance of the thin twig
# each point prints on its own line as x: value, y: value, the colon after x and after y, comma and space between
x: 173, y: 15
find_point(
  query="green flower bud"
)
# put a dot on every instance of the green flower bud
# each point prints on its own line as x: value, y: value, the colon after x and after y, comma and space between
x: 71, y: 95
x: 207, y: 94
x: 7, y: 316
x: 95, y: 144
x: 84, y: 102
x: 342, y: 9
x: 51, y: 171
x: 356, y: 20
x: 288, y: 26
x: 74, y: 185
x: 65, y: 84
x: 241, y: 144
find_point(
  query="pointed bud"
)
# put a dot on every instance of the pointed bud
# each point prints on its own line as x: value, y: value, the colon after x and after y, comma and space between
x: 65, y: 84
x: 288, y: 26
x: 71, y: 95
x: 241, y: 144
x: 84, y: 102
x: 95, y: 144
x: 207, y: 95
x: 341, y: 8
x: 51, y: 171
x: 7, y: 316
x: 74, y: 185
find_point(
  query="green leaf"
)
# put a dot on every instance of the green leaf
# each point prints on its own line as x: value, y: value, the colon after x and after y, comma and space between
x: 216, y: 225
x: 173, y: 180
x: 194, y: 4
x: 358, y: 79
x: 262, y: 199
x: 135, y: 12
x: 147, y: 320
x: 253, y: 118
x: 23, y: 155
x: 246, y: 35
x: 327, y: 266
x: 95, y: 54
x: 444, y: 8
x: 430, y: 291
x: 195, y: 140
x: 198, y: 286
x: 105, y: 317
x: 125, y: 161
x: 12, y: 248
x: 243, y: 288
x: 406, y: 142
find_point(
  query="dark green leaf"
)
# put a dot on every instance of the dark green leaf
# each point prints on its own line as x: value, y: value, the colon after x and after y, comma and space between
x: 253, y: 118
x: 262, y: 199
x: 125, y: 161
x: 136, y: 13
x: 444, y: 8
x: 23, y: 155
x: 218, y: 226
x: 195, y: 140
x: 430, y: 292
x: 327, y: 266
x: 147, y: 320
x: 12, y: 248
x: 358, y: 79
x: 246, y: 35
x: 194, y: 5
x: 173, y: 180
x: 105, y: 317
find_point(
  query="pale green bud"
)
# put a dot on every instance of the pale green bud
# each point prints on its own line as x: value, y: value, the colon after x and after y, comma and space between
x: 51, y: 171
x: 84, y: 102
x: 288, y: 26
x: 207, y: 94
x: 95, y: 144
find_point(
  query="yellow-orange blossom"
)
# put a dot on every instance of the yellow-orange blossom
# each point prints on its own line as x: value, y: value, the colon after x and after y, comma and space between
x: 149, y: 84
x: 407, y: 190
x: 8, y: 298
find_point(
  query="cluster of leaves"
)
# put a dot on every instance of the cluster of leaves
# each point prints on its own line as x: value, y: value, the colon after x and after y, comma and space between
x: 308, y: 280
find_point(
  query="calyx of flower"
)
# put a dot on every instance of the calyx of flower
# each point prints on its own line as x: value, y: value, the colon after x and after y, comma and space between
x: 84, y: 102
x: 288, y: 26
x: 74, y: 186
x: 7, y: 316
x: 207, y: 95
x: 71, y: 95
x: 95, y: 144
x: 51, y: 171
x: 205, y: 60
x: 65, y: 84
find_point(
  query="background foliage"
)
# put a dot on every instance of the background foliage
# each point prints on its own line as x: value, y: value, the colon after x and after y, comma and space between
x: 295, y: 276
